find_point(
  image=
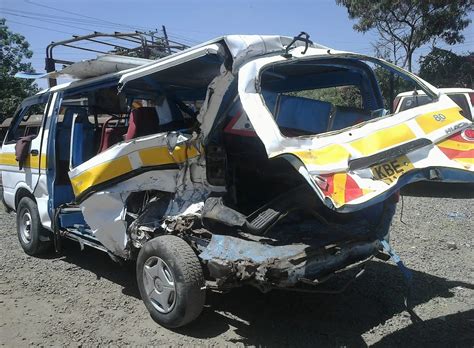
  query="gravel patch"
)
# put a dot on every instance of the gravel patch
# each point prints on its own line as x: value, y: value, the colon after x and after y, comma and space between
x: 85, y: 299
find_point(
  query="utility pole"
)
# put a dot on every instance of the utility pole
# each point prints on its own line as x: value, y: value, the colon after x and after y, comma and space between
x: 166, y: 39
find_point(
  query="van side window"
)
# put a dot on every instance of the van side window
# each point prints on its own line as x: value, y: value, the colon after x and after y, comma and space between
x: 27, y: 121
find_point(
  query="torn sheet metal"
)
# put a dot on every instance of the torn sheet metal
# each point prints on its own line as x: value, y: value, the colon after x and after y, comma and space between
x: 350, y: 168
x: 245, y: 47
x: 105, y: 210
x: 234, y: 258
x: 191, y: 191
x: 235, y: 249
x: 214, y: 96
x: 105, y: 213
x: 211, y: 48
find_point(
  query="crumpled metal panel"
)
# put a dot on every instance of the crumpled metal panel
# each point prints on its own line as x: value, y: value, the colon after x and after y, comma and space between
x: 130, y: 157
x: 245, y: 47
x: 326, y: 161
x: 234, y: 249
x: 229, y: 259
x: 104, y: 211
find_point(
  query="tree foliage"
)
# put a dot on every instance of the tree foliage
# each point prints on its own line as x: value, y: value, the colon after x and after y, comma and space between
x: 14, y: 49
x: 390, y: 85
x: 409, y: 24
x: 444, y: 68
x: 348, y: 96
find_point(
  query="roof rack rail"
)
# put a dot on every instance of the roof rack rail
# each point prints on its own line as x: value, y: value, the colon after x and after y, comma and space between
x: 139, y: 44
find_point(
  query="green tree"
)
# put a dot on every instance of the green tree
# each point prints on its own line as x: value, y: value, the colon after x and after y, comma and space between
x: 444, y: 68
x: 14, y: 49
x: 411, y: 23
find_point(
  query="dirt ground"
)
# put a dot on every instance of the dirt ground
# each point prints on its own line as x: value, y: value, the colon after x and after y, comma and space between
x: 84, y: 298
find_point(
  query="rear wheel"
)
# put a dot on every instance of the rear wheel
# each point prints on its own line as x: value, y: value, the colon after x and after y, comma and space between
x: 171, y: 281
x: 33, y: 237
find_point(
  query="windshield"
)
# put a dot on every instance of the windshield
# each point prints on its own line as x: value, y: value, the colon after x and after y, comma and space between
x: 319, y: 95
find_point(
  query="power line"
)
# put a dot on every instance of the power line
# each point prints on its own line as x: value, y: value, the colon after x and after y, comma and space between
x: 43, y: 15
x: 89, y: 20
x: 36, y: 26
x: 58, y: 19
x: 189, y: 41
x: 48, y: 21
x: 67, y: 21
x: 84, y: 16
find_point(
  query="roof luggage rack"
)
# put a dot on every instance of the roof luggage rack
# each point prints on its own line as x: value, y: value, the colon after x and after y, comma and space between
x: 147, y: 45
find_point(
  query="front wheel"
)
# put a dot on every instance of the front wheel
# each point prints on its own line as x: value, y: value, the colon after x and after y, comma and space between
x: 31, y: 234
x: 171, y: 281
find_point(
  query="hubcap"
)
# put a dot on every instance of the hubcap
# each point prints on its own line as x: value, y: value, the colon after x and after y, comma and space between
x: 25, y: 227
x: 159, y: 284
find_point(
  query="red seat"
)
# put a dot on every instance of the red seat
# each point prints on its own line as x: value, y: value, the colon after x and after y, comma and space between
x: 143, y: 121
x: 111, y: 136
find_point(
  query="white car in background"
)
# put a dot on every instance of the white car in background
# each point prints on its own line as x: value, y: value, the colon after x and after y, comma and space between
x: 464, y: 97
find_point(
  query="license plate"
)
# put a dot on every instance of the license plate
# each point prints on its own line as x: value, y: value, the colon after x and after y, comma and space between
x: 390, y: 171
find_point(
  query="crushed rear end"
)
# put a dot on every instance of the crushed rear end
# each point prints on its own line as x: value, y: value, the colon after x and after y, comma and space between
x: 262, y: 198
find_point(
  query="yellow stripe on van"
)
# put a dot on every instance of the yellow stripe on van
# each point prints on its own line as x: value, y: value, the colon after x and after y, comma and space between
x: 33, y: 162
x: 36, y: 161
x: 100, y: 173
x: 435, y: 120
x: 8, y: 159
x: 383, y: 139
x: 327, y: 155
x: 154, y: 156
x: 386, y: 138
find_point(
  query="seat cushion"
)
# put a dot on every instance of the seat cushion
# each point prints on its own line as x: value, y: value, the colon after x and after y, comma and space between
x: 311, y: 116
x: 143, y: 121
x: 111, y: 136
x: 348, y: 117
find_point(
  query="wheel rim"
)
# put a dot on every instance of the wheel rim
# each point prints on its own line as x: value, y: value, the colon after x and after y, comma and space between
x: 159, y: 284
x: 25, y: 227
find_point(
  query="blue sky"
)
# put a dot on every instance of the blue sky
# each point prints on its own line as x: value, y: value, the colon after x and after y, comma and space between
x: 189, y: 21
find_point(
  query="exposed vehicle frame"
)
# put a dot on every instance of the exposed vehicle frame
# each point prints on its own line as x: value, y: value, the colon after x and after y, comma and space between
x: 240, y: 184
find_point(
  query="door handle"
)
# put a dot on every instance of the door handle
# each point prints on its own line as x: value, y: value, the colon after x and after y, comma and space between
x: 34, y: 153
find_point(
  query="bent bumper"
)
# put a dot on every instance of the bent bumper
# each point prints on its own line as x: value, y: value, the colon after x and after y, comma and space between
x: 232, y: 260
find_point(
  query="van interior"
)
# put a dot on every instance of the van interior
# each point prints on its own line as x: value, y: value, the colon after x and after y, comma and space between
x: 306, y: 98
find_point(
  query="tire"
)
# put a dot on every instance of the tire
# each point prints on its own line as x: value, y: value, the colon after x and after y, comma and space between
x: 170, y: 281
x: 33, y: 237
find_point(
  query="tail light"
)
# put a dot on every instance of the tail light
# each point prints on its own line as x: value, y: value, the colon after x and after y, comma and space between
x: 468, y: 134
x: 471, y: 95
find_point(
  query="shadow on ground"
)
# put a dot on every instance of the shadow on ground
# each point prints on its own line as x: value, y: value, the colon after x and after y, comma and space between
x: 455, y: 330
x: 282, y: 318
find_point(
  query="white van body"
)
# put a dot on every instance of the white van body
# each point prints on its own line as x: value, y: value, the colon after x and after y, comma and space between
x: 212, y: 158
x: 464, y: 97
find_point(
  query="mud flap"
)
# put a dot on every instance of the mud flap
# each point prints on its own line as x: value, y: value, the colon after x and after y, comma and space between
x: 407, y: 276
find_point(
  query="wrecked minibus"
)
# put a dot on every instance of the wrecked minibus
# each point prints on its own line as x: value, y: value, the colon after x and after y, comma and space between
x: 261, y: 160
